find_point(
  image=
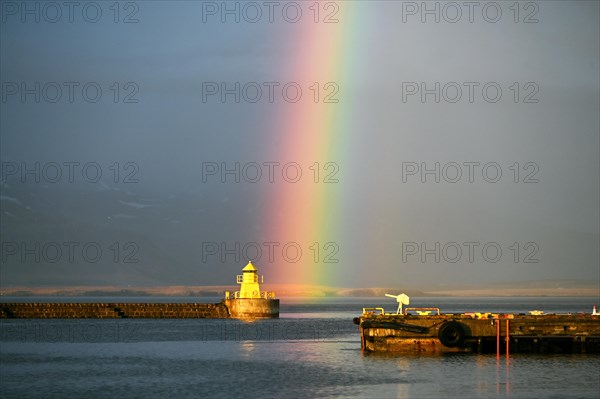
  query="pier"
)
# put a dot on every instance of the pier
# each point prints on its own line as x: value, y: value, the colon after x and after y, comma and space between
x: 501, y: 333
x: 248, y: 303
x: 113, y: 310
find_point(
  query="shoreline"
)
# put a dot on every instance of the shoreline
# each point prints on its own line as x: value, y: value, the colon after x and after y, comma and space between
x: 290, y: 291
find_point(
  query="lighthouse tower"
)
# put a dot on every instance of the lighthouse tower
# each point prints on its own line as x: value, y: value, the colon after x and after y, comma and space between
x: 250, y: 301
x: 250, y: 287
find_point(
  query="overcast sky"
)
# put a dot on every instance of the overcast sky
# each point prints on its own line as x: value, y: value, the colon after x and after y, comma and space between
x: 543, y: 132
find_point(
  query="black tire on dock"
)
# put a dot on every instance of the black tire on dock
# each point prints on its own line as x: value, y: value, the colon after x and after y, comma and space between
x: 451, y: 334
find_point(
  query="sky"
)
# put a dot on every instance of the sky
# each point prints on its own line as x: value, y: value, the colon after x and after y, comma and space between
x: 453, y: 145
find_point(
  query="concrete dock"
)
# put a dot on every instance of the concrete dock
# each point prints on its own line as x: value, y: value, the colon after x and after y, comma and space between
x: 550, y: 333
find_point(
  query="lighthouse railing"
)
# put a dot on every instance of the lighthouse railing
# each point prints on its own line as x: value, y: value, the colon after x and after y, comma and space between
x: 263, y: 295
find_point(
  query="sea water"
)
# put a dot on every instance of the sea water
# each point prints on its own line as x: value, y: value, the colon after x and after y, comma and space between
x: 311, y: 351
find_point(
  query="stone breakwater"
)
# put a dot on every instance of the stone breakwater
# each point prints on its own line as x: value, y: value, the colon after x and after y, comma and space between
x: 113, y: 310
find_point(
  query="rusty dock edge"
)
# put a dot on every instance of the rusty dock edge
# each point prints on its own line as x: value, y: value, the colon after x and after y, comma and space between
x: 550, y: 333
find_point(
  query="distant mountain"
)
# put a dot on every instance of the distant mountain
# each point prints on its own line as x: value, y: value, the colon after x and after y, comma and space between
x: 291, y: 290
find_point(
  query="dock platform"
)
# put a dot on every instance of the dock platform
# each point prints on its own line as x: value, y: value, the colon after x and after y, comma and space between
x: 522, y: 333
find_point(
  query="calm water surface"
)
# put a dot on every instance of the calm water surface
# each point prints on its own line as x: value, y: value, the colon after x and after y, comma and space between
x: 312, y: 351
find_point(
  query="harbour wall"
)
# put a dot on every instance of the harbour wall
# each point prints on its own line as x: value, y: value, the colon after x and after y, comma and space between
x: 113, y: 310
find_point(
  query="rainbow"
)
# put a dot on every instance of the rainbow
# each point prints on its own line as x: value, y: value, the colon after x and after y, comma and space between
x: 316, y: 136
